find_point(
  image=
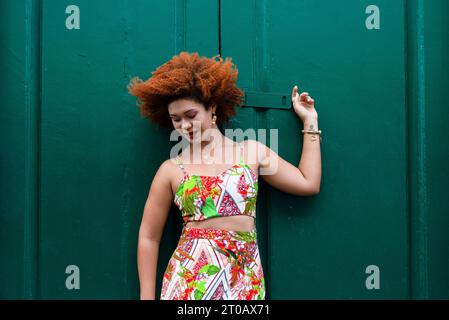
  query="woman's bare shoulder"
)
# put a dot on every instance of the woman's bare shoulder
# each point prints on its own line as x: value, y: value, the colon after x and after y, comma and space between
x: 252, y: 151
x: 255, y: 149
x: 170, y: 168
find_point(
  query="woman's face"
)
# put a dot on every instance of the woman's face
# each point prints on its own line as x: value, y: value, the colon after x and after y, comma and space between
x: 190, y: 118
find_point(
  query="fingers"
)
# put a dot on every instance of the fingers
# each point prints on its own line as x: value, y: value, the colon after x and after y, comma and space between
x: 295, y: 91
x: 308, y: 99
x: 304, y: 96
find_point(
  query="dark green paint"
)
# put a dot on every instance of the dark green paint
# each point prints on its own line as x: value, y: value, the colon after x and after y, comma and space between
x: 77, y: 159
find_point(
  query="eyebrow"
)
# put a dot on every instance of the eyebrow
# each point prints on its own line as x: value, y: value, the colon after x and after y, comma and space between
x: 184, y: 112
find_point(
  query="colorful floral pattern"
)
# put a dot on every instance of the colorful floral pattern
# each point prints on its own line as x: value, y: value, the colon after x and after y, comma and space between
x: 210, y: 264
x: 214, y: 264
x: 233, y: 192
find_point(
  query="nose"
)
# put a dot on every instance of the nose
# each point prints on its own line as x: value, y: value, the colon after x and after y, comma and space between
x: 185, y: 125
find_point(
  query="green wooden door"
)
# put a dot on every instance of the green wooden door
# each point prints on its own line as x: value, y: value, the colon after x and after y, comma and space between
x: 77, y: 159
x: 320, y: 247
x: 374, y: 230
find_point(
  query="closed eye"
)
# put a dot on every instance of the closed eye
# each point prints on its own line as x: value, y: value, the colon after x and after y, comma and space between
x: 190, y: 117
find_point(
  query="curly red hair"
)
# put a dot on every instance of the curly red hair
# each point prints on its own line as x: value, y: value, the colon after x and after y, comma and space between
x: 186, y: 75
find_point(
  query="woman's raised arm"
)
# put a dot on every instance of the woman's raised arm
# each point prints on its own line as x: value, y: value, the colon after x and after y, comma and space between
x: 305, y: 179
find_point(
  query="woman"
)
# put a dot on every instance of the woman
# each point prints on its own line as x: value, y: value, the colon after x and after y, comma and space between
x: 217, y: 256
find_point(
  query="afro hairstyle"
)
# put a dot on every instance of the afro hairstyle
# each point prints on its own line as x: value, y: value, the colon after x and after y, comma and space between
x: 205, y: 80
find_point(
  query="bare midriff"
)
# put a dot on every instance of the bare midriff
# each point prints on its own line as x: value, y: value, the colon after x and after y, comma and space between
x: 237, y: 223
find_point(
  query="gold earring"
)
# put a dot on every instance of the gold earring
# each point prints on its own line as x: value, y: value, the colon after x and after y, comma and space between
x: 214, y: 118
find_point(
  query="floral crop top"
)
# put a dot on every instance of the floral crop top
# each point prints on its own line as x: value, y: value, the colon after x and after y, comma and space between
x: 230, y: 193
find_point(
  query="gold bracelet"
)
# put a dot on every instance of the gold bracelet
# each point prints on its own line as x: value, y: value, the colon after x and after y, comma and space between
x: 313, y: 132
x: 310, y: 131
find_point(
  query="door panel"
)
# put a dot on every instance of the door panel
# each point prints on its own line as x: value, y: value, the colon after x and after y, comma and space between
x: 320, y: 247
x: 77, y: 159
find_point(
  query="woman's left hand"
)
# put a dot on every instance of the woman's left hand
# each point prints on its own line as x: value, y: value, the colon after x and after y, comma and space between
x: 303, y: 105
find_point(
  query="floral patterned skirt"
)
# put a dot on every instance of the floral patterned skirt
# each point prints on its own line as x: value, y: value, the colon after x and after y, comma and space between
x: 214, y: 264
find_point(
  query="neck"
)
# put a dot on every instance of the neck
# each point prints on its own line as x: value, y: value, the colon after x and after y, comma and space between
x: 207, y: 146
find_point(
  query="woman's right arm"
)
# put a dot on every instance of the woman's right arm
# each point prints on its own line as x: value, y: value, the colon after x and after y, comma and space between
x: 155, y: 214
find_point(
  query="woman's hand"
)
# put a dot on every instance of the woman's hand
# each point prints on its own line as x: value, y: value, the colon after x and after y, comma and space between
x: 303, y: 105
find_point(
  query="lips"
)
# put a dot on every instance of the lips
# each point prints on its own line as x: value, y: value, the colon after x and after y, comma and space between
x: 189, y: 134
